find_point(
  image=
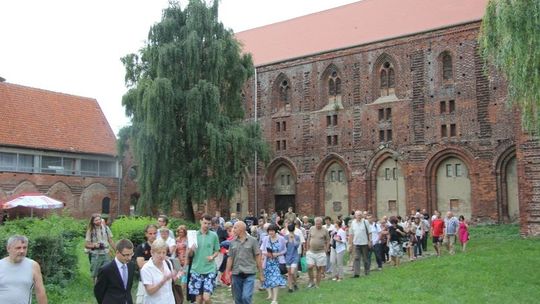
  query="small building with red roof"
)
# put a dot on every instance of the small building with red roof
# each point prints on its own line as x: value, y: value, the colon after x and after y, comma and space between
x: 60, y: 145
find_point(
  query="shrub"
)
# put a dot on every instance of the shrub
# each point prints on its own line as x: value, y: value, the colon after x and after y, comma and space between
x: 132, y: 228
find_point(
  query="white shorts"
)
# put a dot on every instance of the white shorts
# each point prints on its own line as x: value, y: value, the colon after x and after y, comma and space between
x: 317, y: 259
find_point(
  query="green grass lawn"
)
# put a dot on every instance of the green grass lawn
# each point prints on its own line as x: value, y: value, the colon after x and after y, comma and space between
x: 499, y: 267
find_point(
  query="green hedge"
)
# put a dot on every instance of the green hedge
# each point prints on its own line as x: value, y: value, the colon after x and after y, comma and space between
x: 132, y: 228
x: 52, y: 243
x: 174, y: 223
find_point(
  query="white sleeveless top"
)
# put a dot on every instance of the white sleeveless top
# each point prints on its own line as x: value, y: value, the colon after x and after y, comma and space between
x: 16, y: 281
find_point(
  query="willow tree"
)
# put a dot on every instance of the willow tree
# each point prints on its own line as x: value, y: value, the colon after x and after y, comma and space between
x: 188, y: 131
x: 510, y: 40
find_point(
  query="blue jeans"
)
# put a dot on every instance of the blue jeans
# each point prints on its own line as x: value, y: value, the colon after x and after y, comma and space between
x: 377, y: 250
x: 418, y: 248
x: 242, y: 286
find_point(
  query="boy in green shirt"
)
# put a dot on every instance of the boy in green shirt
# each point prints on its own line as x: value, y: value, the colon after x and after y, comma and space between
x: 203, y: 267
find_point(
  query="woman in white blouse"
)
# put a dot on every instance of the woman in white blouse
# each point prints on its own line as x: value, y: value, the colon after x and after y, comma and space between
x: 337, y: 251
x: 157, y: 275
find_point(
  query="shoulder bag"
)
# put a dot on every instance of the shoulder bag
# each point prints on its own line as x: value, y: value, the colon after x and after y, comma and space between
x: 176, y: 289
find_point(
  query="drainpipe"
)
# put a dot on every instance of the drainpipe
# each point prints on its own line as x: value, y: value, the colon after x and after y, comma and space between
x: 256, y: 156
x: 119, y: 166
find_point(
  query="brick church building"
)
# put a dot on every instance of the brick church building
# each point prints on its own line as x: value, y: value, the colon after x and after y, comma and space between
x: 60, y: 145
x: 384, y: 105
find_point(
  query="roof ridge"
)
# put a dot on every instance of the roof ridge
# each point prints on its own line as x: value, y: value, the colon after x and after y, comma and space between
x: 46, y: 91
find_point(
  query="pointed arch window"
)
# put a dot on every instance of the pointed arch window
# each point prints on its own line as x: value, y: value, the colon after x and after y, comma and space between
x: 334, y: 85
x: 447, y: 72
x: 387, y: 79
x: 384, y: 79
x: 284, y: 92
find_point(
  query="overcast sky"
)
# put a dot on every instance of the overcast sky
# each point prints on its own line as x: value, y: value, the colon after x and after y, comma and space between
x: 75, y: 46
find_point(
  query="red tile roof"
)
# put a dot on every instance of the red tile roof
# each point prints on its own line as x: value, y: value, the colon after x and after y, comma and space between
x: 40, y: 119
x: 355, y: 24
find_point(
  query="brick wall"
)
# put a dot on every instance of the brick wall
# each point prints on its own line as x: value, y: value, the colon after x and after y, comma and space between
x: 82, y: 195
x: 528, y: 151
x: 485, y: 126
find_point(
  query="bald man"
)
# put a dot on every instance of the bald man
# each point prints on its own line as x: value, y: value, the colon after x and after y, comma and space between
x: 243, y: 262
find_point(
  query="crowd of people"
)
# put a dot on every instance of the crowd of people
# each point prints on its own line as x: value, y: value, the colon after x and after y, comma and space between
x: 275, y: 247
x: 286, y: 242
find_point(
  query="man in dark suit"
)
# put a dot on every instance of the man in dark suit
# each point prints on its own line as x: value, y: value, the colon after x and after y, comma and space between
x: 115, y: 278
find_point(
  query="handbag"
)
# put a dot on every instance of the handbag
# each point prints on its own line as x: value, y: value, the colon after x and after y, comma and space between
x: 226, y: 278
x: 303, y: 264
x: 178, y: 294
x: 282, y: 268
x: 413, y: 239
x: 176, y: 289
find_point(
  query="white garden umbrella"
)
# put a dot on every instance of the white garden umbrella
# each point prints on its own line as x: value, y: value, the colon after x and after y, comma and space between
x: 33, y: 201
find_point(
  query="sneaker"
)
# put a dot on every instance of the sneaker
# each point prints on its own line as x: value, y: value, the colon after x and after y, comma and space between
x: 295, y: 287
x: 338, y: 280
x: 356, y: 276
x: 290, y: 290
x: 310, y: 285
x: 334, y: 279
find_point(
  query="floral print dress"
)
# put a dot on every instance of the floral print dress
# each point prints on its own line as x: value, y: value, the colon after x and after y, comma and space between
x: 272, y: 276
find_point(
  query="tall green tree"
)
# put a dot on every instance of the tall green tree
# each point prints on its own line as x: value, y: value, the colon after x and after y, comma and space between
x: 510, y: 40
x: 188, y: 131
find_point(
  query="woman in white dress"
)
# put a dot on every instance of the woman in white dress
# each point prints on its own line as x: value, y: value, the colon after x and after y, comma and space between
x: 157, y: 275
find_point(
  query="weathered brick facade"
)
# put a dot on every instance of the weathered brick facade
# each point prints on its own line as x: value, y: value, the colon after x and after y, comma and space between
x: 479, y: 126
x: 82, y: 196
x: 528, y: 154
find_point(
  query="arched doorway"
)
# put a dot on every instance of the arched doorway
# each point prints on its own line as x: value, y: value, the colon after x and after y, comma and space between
x: 239, y: 202
x: 390, y: 189
x: 91, y: 199
x: 106, y: 205
x: 284, y: 186
x: 453, y: 187
x: 512, y: 196
x: 336, y: 193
